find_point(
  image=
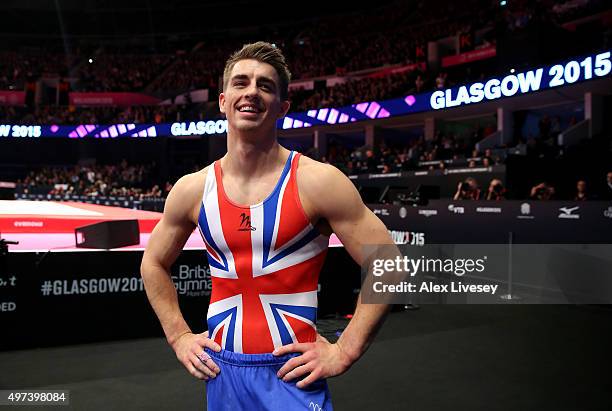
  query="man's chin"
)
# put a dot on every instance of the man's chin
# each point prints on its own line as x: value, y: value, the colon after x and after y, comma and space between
x: 247, y: 127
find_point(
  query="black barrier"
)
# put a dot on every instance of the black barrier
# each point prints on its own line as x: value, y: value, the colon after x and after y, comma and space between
x: 482, y: 222
x: 77, y: 297
x: 447, y: 180
x: 59, y: 298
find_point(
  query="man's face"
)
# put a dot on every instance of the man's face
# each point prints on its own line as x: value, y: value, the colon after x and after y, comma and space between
x: 609, y: 177
x: 251, y: 100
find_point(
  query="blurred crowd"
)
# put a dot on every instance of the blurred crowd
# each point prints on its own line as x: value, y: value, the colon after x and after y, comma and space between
x: 343, y: 44
x: 118, y: 180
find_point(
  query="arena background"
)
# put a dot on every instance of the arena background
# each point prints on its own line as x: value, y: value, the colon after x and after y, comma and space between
x: 480, y: 122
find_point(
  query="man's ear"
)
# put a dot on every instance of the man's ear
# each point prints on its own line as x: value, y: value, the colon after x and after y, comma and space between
x: 285, y: 105
x: 222, y: 103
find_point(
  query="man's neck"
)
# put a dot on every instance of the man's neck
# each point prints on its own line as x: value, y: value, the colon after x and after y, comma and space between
x: 252, y: 158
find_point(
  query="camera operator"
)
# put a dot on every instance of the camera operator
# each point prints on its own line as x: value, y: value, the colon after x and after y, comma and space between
x: 542, y: 191
x: 467, y: 190
x: 496, y: 191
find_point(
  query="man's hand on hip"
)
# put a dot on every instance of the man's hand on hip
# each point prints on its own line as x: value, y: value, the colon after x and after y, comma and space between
x: 189, y: 349
x: 319, y: 360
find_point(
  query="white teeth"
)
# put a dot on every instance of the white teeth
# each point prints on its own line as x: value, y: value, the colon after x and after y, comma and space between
x: 247, y: 108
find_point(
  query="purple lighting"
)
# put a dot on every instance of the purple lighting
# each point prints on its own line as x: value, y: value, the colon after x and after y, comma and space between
x: 81, y: 131
x: 344, y: 118
x: 361, y: 107
x: 322, y: 114
x: 333, y: 116
x: 54, y: 128
x: 372, y: 110
x: 297, y: 124
x: 287, y: 123
x: 383, y: 113
x: 410, y: 100
x: 312, y: 113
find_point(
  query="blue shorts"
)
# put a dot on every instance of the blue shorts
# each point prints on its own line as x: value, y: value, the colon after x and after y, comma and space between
x: 249, y: 382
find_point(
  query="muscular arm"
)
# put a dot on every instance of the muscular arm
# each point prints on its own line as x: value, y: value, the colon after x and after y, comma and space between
x: 163, y: 248
x: 355, y: 225
x: 165, y: 245
x: 331, y: 196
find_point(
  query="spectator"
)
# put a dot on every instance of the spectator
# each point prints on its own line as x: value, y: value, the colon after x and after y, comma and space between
x: 467, y: 190
x: 581, y: 194
x: 606, y: 192
x: 542, y: 191
x: 496, y: 191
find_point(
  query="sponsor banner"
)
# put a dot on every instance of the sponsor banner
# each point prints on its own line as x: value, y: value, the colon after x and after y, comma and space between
x: 495, y: 222
x: 470, y: 56
x: 196, y: 96
x: 12, y: 98
x: 112, y: 99
x: 86, y: 296
x: 396, y: 70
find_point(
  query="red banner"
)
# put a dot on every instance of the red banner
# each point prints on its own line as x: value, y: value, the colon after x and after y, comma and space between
x: 396, y: 70
x: 112, y: 99
x: 12, y: 98
x: 469, y: 56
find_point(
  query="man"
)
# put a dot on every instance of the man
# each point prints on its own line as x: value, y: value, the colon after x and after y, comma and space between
x: 266, y: 226
x: 581, y: 191
x: 542, y: 191
x: 467, y: 190
x: 496, y: 191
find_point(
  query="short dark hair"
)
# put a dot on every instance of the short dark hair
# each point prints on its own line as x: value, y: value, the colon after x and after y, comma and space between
x: 265, y: 53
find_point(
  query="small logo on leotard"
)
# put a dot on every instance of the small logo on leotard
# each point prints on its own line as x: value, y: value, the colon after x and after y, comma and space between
x: 314, y: 407
x: 245, y: 223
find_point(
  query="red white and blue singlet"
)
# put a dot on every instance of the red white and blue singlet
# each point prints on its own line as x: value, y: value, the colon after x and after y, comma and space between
x: 264, y: 261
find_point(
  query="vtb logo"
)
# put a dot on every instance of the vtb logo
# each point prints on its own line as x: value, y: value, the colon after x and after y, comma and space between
x: 245, y: 223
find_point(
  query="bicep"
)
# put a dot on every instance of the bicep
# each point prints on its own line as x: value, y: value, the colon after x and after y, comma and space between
x: 171, y: 233
x: 351, y: 220
x: 166, y: 242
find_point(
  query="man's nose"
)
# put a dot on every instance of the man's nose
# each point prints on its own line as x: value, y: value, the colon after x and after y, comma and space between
x: 251, y: 90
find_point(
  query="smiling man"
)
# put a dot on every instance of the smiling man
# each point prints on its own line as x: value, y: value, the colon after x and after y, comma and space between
x: 265, y: 214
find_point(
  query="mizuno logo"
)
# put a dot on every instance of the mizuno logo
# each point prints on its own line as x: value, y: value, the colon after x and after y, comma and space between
x: 245, y: 223
x: 568, y: 213
x: 568, y: 210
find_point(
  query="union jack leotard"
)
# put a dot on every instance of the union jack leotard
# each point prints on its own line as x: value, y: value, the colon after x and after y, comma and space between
x: 264, y: 261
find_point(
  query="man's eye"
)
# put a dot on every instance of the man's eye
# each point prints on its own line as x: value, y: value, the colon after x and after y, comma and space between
x: 238, y: 84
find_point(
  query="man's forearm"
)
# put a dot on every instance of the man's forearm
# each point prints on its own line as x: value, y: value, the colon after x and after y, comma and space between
x: 362, y: 329
x: 163, y: 298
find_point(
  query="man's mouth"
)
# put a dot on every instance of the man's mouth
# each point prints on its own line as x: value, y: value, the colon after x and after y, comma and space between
x: 248, y: 108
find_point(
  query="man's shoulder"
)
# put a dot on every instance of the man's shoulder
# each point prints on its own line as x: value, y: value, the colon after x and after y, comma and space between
x: 192, y: 182
x: 315, y: 175
x: 324, y: 188
x: 186, y: 194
